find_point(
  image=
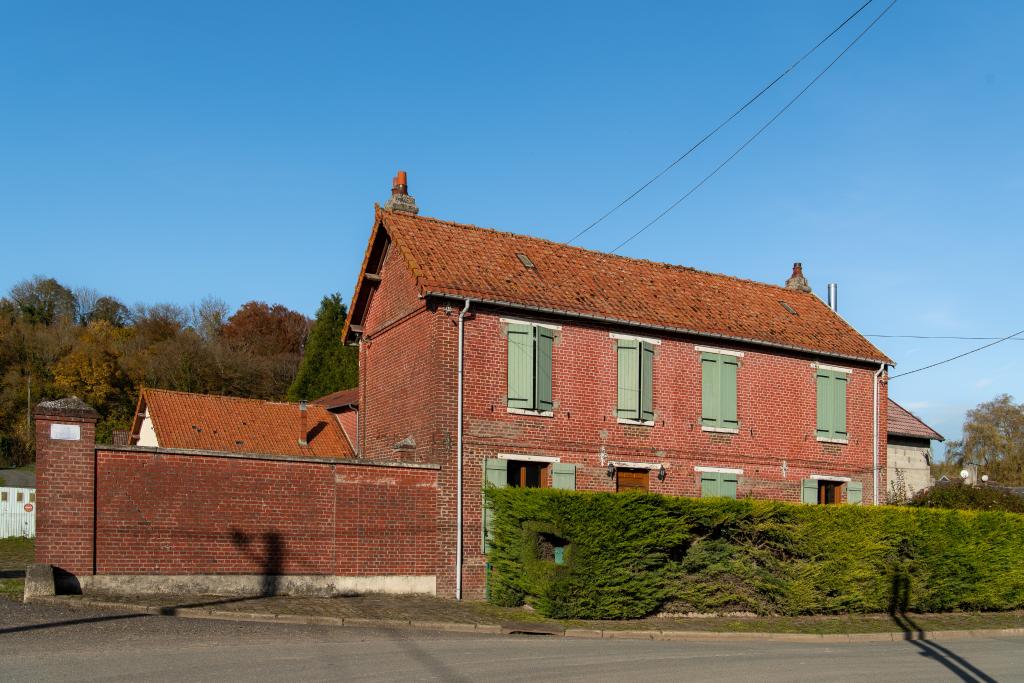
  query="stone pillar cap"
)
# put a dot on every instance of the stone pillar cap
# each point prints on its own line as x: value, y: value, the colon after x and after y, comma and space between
x: 67, y: 407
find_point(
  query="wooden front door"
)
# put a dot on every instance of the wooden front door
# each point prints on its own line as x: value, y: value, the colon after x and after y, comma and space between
x: 632, y: 480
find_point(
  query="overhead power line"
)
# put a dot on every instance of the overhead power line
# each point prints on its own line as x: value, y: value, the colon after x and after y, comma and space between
x: 966, y: 353
x: 930, y: 336
x: 757, y: 134
x: 720, y: 126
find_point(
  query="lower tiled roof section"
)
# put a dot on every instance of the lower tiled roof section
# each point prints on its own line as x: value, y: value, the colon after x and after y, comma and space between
x: 902, y: 422
x: 242, y: 425
x: 345, y: 398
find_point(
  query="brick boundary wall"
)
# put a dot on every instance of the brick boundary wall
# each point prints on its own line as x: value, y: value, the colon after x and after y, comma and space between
x: 121, y: 511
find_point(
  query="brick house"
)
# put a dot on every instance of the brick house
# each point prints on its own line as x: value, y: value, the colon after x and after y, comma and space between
x: 523, y: 362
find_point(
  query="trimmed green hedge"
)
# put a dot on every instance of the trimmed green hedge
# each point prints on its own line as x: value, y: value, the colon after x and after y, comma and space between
x: 628, y: 555
x: 961, y: 496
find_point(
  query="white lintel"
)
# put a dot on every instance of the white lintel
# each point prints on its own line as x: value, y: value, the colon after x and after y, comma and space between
x: 516, y: 321
x: 719, y: 470
x: 724, y: 352
x: 828, y: 477
x: 649, y: 340
x: 636, y: 465
x: 833, y: 368
x: 528, y: 458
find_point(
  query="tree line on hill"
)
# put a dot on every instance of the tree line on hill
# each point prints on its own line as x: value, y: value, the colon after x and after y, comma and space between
x: 56, y: 341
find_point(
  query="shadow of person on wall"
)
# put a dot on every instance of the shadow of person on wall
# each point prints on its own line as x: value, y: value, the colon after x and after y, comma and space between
x: 271, y: 560
x: 899, y: 600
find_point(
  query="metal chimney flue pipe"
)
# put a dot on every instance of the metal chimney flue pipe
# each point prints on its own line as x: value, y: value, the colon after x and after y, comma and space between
x: 833, y: 296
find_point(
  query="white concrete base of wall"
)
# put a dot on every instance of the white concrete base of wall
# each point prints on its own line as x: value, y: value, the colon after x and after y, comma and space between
x: 239, y: 585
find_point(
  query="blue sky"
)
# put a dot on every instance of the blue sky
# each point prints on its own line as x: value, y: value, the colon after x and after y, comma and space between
x: 170, y: 151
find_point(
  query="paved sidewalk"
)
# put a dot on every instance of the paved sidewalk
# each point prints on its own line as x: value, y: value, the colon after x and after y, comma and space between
x: 429, y: 613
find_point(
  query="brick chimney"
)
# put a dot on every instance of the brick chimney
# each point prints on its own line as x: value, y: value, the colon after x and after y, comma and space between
x: 65, y: 484
x: 400, y: 199
x: 797, y: 280
x: 303, y: 429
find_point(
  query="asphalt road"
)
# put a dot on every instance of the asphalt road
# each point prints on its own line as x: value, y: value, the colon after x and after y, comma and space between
x: 47, y: 643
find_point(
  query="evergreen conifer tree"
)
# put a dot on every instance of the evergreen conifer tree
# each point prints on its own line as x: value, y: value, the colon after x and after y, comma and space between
x: 327, y: 364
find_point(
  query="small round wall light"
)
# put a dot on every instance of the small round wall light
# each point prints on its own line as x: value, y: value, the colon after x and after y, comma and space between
x: 984, y: 477
x: 611, y: 470
x: 662, y: 473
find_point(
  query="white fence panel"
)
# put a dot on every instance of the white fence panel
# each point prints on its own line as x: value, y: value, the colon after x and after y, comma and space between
x: 17, y: 512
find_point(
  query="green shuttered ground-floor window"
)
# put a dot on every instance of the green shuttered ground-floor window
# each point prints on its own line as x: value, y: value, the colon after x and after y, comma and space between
x: 718, y: 484
x: 503, y: 472
x: 829, y: 492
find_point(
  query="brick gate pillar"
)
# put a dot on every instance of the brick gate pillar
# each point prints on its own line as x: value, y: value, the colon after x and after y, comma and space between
x: 65, y: 484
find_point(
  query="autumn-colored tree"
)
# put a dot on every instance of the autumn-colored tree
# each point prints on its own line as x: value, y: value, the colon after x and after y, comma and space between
x: 327, y: 364
x: 266, y: 330
x: 993, y: 440
x: 55, y: 342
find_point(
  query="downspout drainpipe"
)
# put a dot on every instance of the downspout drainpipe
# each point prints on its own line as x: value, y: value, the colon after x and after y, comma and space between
x: 458, y: 466
x: 876, y: 411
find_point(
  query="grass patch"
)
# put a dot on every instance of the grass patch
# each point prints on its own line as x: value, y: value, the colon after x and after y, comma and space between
x: 817, y: 625
x: 16, y: 553
x: 12, y: 589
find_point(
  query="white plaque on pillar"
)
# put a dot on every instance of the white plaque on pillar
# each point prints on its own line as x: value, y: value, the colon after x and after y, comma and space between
x: 59, y: 432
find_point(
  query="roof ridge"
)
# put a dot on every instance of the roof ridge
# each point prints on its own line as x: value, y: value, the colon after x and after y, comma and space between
x: 563, y: 245
x: 220, y: 396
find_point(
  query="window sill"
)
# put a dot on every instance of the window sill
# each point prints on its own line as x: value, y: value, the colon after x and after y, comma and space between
x: 641, y: 423
x: 824, y: 439
x: 535, y: 413
x: 720, y: 430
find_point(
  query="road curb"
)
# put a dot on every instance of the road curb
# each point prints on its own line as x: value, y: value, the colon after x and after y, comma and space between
x: 507, y: 629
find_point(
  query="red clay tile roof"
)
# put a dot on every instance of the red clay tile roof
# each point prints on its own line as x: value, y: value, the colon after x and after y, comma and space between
x: 450, y: 259
x: 241, y: 425
x: 904, y: 423
x: 339, y: 399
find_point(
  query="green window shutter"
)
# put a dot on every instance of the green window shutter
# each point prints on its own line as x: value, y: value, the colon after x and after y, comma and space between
x: 728, y: 366
x: 520, y: 366
x: 563, y: 476
x: 839, y: 405
x: 709, y: 484
x: 825, y: 403
x: 809, y: 491
x: 545, y: 347
x: 727, y: 488
x: 646, y: 381
x: 629, y: 379
x: 711, y: 401
x: 495, y: 474
x: 854, y: 492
